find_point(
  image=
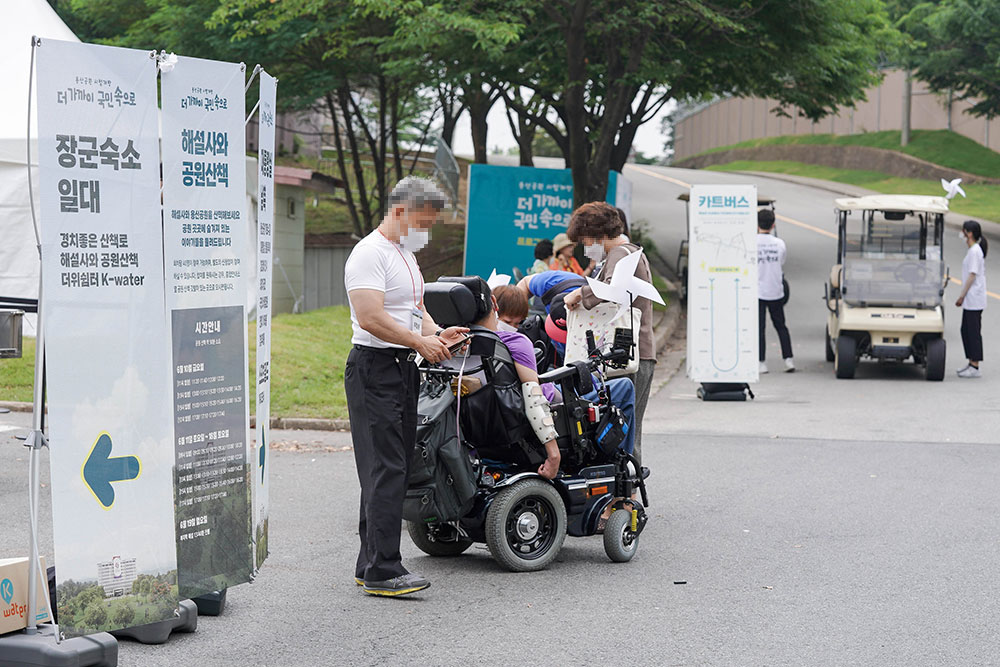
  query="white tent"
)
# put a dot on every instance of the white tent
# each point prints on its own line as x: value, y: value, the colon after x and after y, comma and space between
x: 18, y: 249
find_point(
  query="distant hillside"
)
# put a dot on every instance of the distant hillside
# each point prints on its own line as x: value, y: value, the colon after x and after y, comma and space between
x: 941, y: 147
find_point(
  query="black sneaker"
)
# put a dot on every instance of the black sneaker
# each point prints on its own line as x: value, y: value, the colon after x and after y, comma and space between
x: 402, y: 585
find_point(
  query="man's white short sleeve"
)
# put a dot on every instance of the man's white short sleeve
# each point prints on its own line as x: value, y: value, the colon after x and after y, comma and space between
x: 365, y: 268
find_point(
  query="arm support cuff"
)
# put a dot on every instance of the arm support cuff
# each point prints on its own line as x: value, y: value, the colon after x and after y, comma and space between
x: 536, y: 409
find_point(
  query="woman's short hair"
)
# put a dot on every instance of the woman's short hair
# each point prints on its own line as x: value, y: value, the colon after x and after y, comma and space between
x: 543, y: 249
x: 511, y: 302
x: 596, y: 220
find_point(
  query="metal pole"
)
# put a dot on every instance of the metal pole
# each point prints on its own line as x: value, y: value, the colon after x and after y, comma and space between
x: 35, y: 440
x: 907, y: 101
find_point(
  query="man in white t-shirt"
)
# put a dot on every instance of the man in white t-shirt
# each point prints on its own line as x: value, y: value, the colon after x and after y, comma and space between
x: 771, y: 288
x: 389, y: 323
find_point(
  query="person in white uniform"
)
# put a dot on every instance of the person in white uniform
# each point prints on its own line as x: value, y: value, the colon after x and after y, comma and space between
x: 972, y: 300
x: 770, y: 288
x: 389, y: 323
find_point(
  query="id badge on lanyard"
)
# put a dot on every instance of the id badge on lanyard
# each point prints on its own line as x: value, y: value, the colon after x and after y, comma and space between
x: 417, y: 321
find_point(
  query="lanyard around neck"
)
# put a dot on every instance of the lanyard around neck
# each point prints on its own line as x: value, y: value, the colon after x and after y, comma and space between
x: 417, y: 302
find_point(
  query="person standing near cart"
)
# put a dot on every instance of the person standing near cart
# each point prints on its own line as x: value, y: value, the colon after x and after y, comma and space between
x: 389, y: 323
x: 771, y: 289
x: 972, y: 300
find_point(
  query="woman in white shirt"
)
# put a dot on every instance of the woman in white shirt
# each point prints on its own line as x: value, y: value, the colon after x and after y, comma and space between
x: 972, y: 300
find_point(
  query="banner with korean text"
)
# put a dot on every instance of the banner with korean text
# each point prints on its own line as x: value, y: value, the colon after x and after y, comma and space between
x: 722, y: 284
x: 511, y: 209
x: 265, y: 240
x: 206, y: 249
x: 108, y: 390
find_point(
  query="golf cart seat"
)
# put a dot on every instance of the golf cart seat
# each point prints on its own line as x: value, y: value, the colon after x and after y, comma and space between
x: 835, y: 274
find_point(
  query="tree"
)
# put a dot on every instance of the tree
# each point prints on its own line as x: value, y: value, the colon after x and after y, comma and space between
x: 524, y: 128
x: 957, y: 48
x: 123, y: 615
x: 608, y: 66
x: 96, y: 615
x: 360, y: 59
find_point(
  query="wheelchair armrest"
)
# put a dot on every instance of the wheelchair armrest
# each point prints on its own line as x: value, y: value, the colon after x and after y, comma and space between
x: 452, y: 372
x: 557, y: 375
x: 577, y: 372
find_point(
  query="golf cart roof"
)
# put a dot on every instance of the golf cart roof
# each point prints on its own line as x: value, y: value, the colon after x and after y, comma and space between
x: 761, y: 200
x: 902, y: 203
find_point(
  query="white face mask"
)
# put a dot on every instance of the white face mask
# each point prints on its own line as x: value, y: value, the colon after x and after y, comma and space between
x: 503, y: 326
x: 415, y: 239
x: 594, y: 252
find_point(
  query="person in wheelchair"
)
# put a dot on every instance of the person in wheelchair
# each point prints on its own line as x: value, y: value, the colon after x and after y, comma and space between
x: 538, y: 398
x: 497, y: 463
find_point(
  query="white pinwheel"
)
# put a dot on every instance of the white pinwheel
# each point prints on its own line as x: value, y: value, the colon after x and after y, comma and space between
x: 624, y: 286
x: 497, y: 279
x: 952, y: 188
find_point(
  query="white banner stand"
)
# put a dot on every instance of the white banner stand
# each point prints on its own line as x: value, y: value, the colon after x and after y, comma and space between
x: 722, y: 291
x: 39, y: 644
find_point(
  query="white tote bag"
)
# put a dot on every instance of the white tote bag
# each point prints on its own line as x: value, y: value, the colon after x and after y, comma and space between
x: 601, y: 320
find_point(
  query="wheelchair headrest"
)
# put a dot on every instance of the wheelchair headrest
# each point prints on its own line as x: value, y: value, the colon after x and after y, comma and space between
x: 458, y: 301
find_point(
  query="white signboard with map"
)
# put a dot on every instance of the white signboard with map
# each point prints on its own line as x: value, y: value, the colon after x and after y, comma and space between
x: 722, y: 284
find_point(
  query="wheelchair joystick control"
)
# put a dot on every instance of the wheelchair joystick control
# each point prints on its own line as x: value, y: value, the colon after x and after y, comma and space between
x: 591, y: 343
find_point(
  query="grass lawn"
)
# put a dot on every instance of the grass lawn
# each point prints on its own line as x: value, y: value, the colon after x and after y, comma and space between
x: 983, y: 200
x: 941, y: 147
x: 661, y: 287
x: 16, y: 375
x: 308, y: 352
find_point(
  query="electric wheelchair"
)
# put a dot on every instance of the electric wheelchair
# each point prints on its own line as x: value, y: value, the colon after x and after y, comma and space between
x: 474, y: 476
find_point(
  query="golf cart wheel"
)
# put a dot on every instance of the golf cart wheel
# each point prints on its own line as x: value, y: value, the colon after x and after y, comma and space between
x: 620, y: 541
x: 830, y: 354
x: 420, y: 533
x: 935, y: 359
x: 526, y: 525
x: 846, y: 359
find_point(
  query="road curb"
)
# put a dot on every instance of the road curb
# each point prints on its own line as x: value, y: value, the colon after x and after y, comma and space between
x: 306, y: 424
x: 17, y: 406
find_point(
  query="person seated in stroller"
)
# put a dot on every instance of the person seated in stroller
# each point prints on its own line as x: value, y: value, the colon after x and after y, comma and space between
x: 538, y: 397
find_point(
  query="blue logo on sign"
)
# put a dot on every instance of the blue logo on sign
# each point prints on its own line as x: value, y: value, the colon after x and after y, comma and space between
x: 6, y: 590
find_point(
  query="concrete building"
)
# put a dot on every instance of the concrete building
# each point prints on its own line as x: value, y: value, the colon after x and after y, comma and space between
x: 116, y: 576
x: 291, y: 188
x: 727, y: 121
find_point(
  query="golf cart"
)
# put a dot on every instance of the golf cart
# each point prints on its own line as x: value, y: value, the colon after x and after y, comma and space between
x: 886, y: 291
x: 682, y: 252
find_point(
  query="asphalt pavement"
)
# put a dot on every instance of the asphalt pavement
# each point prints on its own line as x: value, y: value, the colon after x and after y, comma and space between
x: 828, y: 522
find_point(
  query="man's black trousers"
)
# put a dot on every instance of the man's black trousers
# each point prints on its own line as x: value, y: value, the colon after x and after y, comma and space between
x: 777, y: 310
x: 382, y: 389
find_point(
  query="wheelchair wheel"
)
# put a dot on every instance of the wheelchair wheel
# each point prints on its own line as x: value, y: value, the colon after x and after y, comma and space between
x: 420, y: 534
x: 526, y: 525
x: 620, y: 541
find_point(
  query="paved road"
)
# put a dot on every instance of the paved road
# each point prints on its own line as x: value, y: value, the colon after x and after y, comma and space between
x: 827, y: 523
x: 760, y: 551
x: 882, y: 402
